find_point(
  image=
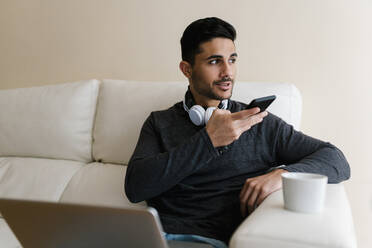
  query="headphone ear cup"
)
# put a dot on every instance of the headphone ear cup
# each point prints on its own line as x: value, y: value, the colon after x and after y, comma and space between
x: 208, y: 114
x: 196, y: 115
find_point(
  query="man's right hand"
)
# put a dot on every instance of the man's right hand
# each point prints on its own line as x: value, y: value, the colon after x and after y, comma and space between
x: 225, y: 127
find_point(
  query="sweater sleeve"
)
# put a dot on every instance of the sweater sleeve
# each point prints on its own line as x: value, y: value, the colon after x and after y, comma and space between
x: 301, y: 153
x: 152, y: 171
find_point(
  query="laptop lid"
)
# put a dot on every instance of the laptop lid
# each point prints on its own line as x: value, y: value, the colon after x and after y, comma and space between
x: 45, y: 224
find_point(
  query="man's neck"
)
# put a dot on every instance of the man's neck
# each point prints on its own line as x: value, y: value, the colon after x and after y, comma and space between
x: 204, y: 101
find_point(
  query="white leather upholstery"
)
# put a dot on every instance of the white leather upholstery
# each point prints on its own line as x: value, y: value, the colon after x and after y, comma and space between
x: 272, y: 226
x: 53, y: 121
x: 121, y: 112
x: 33, y: 178
x: 98, y: 184
x: 123, y: 106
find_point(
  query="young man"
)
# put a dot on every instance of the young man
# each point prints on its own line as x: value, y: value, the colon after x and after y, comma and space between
x: 205, y: 179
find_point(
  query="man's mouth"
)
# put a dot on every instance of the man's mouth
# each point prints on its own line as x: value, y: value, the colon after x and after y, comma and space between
x: 225, y: 85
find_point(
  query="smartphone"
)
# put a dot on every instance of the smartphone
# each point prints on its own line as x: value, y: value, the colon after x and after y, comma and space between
x: 262, y: 102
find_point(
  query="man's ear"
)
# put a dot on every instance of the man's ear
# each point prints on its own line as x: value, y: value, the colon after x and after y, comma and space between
x: 186, y: 68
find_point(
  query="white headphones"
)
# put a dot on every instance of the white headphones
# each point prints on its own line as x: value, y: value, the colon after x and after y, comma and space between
x: 199, y: 116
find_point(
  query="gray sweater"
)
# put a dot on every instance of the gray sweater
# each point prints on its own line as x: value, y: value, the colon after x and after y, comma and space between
x: 195, y: 187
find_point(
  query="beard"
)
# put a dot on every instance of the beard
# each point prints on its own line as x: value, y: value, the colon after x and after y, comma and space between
x: 207, y: 91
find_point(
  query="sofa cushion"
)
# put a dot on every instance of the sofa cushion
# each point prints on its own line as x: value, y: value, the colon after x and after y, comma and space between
x: 35, y: 179
x: 98, y: 184
x: 54, y: 121
x: 120, y: 113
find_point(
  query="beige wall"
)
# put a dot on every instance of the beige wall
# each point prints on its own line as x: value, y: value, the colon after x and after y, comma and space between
x: 322, y: 46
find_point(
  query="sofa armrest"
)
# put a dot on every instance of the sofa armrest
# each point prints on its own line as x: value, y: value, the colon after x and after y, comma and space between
x: 270, y: 225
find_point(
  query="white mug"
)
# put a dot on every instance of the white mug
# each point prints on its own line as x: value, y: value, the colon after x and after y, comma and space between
x: 304, y: 192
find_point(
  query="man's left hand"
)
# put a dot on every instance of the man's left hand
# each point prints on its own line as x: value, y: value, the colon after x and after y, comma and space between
x: 256, y: 189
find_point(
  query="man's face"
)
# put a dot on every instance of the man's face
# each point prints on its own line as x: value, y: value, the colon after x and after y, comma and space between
x: 214, y: 70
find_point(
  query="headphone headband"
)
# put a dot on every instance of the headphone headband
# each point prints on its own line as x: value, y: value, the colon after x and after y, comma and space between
x: 223, y: 105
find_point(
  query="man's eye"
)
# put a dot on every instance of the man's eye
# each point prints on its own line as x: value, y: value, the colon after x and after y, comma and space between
x: 232, y: 61
x: 213, y: 62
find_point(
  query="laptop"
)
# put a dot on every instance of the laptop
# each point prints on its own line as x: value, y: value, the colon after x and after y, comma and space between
x: 62, y: 225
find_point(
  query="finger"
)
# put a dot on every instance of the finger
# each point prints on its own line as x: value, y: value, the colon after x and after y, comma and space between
x: 257, y: 118
x: 254, y: 117
x: 223, y: 111
x: 263, y: 114
x: 252, y: 200
x: 242, y: 203
x: 245, y: 113
x: 245, y: 125
x: 220, y: 112
x: 245, y: 187
x: 262, y: 196
x: 243, y: 209
x: 217, y: 114
x: 243, y: 200
x: 266, y: 191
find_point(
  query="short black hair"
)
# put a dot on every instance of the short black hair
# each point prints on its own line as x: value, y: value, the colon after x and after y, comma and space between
x: 201, y: 31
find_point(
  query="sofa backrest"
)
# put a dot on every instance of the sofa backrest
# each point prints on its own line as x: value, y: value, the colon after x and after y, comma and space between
x: 123, y: 106
x: 54, y: 121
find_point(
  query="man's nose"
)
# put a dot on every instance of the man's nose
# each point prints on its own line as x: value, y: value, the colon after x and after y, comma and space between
x: 227, y: 70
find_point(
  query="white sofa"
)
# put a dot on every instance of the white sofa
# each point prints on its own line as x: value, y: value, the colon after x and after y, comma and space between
x: 70, y: 143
